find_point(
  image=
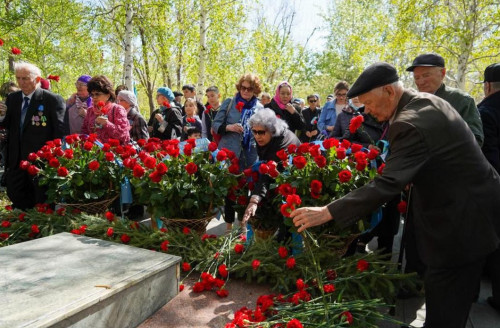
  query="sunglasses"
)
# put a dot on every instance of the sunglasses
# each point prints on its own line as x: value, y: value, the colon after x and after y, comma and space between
x: 312, y: 100
x: 96, y: 94
x: 242, y: 88
x: 259, y: 132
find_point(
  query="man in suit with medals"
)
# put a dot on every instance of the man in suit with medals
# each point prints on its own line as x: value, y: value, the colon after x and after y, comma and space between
x: 432, y: 148
x: 34, y: 116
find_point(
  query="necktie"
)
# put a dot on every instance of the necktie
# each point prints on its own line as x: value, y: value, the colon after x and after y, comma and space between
x: 24, y: 110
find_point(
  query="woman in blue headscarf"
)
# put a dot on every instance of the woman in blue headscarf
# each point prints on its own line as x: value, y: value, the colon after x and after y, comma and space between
x: 231, y: 123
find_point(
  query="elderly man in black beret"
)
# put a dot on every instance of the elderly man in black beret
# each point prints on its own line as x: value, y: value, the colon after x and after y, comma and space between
x: 433, y: 149
x: 429, y: 73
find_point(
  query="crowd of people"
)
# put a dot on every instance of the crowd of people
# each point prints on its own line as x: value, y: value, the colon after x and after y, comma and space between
x: 443, y: 154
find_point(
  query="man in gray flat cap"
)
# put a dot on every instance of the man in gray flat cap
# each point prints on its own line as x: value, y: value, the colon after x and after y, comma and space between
x: 428, y: 73
x: 433, y: 149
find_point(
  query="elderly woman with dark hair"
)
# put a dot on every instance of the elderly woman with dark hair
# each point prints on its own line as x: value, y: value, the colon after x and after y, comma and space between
x: 138, y: 125
x: 271, y: 135
x: 231, y: 123
x: 77, y: 105
x: 105, y: 118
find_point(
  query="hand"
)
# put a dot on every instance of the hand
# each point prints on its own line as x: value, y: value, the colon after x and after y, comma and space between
x: 374, y: 147
x: 306, y: 217
x: 185, y: 129
x: 82, y: 111
x: 329, y: 128
x: 308, y: 134
x: 314, y: 133
x: 290, y: 108
x: 236, y: 127
x: 159, y: 117
x: 249, y: 212
x: 103, y: 121
x: 150, y: 129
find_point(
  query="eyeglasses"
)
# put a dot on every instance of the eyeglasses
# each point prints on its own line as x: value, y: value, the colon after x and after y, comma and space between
x: 243, y: 88
x: 312, y: 100
x: 96, y: 94
x: 341, y: 94
x: 259, y: 132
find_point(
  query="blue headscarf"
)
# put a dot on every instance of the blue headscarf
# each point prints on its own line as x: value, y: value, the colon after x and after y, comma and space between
x: 166, y: 92
x: 246, y: 113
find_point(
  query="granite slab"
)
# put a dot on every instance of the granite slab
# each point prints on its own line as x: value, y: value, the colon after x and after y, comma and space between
x: 71, y: 280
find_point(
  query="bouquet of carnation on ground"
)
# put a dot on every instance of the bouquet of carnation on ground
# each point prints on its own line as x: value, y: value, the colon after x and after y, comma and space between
x: 78, y: 170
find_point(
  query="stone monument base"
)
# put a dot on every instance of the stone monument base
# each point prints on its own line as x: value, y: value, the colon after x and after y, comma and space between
x: 70, y: 280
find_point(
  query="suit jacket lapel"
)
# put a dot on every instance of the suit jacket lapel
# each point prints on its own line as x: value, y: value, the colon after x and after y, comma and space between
x: 36, y: 100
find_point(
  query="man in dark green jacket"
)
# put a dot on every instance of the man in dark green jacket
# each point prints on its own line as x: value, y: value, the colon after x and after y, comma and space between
x: 429, y: 72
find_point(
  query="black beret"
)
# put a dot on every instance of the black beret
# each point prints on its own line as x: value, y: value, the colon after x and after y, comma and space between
x: 492, y: 73
x: 426, y: 60
x: 178, y: 94
x: 374, y: 76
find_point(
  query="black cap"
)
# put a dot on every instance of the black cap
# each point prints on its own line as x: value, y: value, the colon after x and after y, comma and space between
x: 492, y: 73
x: 374, y: 76
x: 426, y: 60
x: 178, y: 94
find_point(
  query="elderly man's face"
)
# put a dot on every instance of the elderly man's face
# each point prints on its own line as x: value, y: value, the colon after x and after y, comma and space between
x: 428, y: 79
x: 25, y: 81
x: 379, y: 103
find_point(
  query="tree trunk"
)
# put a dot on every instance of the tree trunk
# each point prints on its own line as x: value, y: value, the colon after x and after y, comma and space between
x: 149, y: 86
x: 128, y: 60
x: 202, y: 52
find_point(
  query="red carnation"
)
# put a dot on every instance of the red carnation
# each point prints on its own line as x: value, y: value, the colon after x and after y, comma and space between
x: 380, y: 169
x: 286, y: 189
x: 330, y: 142
x: 299, y: 162
x: 263, y: 168
x: 341, y: 153
x: 345, y: 143
x: 282, y: 155
x: 32, y: 157
x: 94, y: 165
x: 186, y: 266
x: 149, y: 162
x: 198, y: 287
x: 35, y: 229
x: 6, y: 224
x: 138, y: 171
x: 239, y: 106
x: 15, y: 51
x: 329, y: 288
x: 33, y: 170
x: 293, y: 199
x: 166, y: 104
x: 402, y: 205
x: 320, y: 161
x: 234, y: 169
x: 212, y: 146
x: 110, y: 232
x: 54, y: 77
x: 331, y: 274
x: 222, y: 293
x: 24, y: 165
x: 286, y: 209
x: 164, y: 245
x: 290, y: 263
x: 294, y: 323
x: 356, y: 123
x: 191, y: 168
x: 372, y: 154
x: 62, y: 171
x: 21, y: 216
x: 68, y: 153
x: 221, y: 155
x: 255, y: 264
x: 190, y: 119
x: 292, y: 148
x: 188, y: 149
x: 345, y: 176
x: 362, y: 265
x: 316, y: 186
x: 110, y: 216
x: 101, y: 104
x: 125, y: 238
x: 238, y: 248
x: 300, y: 284
x: 347, y: 316
x: 54, y: 162
x: 4, y: 235
x: 109, y: 156
x: 223, y: 270
x: 1, y: 42
x: 186, y: 230
x: 355, y: 147
x: 181, y: 287
x: 283, y: 252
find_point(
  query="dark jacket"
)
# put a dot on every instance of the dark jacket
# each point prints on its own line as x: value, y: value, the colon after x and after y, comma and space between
x: 311, y: 119
x: 268, y: 153
x: 295, y: 121
x: 466, y: 107
x: 172, y: 116
x: 369, y: 133
x: 33, y: 135
x: 489, y: 109
x: 453, y: 183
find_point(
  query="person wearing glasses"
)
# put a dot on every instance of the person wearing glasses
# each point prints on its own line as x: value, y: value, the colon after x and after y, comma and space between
x: 311, y: 116
x: 271, y: 135
x: 77, y: 105
x: 231, y: 123
x: 108, y: 121
x: 333, y: 108
x: 282, y: 105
